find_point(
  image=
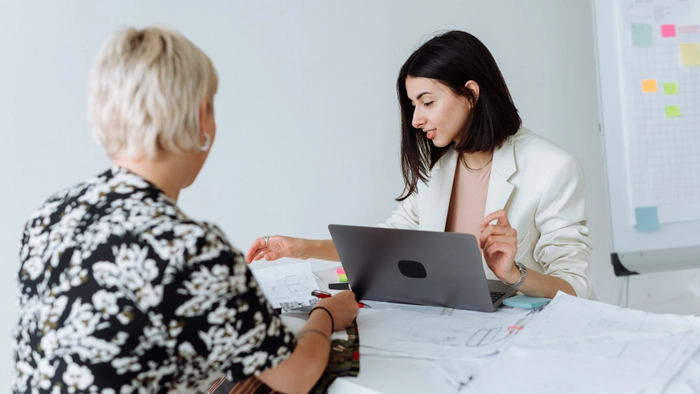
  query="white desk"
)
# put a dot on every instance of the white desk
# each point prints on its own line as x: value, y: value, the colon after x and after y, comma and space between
x: 383, y: 374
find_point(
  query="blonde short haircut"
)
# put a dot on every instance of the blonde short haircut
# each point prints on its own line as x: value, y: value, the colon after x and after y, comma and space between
x: 145, y: 90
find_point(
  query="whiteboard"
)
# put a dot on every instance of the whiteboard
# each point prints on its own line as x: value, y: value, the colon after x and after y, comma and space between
x: 649, y: 85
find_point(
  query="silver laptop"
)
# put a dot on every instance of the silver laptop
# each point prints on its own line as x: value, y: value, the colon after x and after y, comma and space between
x: 417, y: 267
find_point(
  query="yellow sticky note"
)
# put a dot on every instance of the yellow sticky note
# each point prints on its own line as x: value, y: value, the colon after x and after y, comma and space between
x: 649, y: 85
x: 672, y: 111
x: 690, y: 55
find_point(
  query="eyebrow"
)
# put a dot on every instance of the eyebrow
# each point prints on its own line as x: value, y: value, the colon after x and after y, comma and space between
x: 421, y: 95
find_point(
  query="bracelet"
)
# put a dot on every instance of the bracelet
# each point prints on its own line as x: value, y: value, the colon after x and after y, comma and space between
x: 523, y: 274
x: 329, y: 315
x: 301, y: 334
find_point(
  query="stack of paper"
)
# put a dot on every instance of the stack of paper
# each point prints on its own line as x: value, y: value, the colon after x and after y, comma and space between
x: 579, y: 346
x: 288, y: 286
x: 410, y: 334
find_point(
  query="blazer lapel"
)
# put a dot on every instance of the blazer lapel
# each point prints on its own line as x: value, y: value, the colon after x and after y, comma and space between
x: 502, y: 169
x: 437, y: 202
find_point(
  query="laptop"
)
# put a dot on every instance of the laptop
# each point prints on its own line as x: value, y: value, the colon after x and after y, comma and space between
x: 417, y: 267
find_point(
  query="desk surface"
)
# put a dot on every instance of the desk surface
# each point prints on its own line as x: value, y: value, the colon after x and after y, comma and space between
x: 387, y: 374
x: 379, y: 374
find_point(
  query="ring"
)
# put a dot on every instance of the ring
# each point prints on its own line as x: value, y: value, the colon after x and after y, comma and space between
x: 267, y: 240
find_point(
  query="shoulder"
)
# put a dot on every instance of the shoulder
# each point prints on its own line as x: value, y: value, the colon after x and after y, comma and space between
x: 184, y: 242
x: 531, y: 145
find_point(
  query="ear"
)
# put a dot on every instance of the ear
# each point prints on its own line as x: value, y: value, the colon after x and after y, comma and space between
x: 205, y: 111
x: 474, y: 87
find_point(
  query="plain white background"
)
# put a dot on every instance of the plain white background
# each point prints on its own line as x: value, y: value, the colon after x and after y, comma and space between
x: 308, y: 122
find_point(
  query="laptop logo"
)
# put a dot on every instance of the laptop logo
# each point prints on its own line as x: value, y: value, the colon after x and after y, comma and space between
x: 412, y: 269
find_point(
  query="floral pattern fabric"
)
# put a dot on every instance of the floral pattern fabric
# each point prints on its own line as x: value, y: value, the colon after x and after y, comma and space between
x: 120, y: 292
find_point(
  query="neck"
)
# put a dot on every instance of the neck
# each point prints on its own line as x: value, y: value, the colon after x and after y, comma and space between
x: 166, y: 172
x: 477, y: 160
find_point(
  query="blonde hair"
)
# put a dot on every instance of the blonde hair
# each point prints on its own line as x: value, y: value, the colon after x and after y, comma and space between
x: 144, y: 92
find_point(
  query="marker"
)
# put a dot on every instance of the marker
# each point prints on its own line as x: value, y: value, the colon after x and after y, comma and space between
x: 323, y: 294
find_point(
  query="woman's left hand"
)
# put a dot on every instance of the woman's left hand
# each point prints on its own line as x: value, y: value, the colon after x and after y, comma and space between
x: 499, y: 242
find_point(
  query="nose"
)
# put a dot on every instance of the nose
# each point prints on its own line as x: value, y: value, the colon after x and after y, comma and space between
x: 418, y: 120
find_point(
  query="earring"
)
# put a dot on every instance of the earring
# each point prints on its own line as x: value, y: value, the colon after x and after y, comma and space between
x: 207, y: 143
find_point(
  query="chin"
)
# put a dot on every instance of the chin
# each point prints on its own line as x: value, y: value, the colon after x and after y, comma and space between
x: 441, y: 144
x: 188, y: 184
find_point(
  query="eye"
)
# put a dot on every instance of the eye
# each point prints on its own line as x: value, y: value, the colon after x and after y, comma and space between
x: 428, y: 104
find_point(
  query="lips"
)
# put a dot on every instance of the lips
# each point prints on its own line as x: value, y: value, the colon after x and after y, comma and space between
x: 430, y: 134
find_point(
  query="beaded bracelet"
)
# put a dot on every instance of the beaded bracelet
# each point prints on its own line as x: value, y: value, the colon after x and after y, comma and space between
x: 329, y: 315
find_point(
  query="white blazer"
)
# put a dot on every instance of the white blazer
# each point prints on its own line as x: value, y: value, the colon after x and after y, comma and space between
x: 542, y: 189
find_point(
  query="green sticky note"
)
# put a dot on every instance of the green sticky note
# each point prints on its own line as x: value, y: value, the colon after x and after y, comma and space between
x: 342, y: 278
x: 642, y: 35
x: 671, y: 88
x: 672, y: 111
x: 647, y: 219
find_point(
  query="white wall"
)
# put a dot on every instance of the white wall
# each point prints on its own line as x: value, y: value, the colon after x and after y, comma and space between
x: 307, y: 116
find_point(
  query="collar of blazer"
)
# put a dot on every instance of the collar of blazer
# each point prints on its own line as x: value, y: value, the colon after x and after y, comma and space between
x: 441, y: 181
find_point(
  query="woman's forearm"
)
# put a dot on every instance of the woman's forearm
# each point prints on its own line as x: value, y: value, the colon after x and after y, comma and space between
x: 541, y: 285
x: 304, y: 367
x: 321, y: 249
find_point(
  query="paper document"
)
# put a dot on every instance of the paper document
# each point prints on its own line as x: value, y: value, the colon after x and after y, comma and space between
x: 688, y: 380
x: 288, y: 286
x: 411, y: 334
x: 625, y: 350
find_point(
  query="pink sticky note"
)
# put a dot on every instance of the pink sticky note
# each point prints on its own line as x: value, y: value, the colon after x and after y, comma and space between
x: 687, y: 29
x: 340, y: 271
x: 668, y: 30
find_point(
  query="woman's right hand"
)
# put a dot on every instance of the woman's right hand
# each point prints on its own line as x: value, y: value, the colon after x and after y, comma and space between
x: 343, y: 306
x: 277, y: 246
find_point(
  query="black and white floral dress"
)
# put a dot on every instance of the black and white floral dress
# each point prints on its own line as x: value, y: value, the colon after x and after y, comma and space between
x: 121, y: 292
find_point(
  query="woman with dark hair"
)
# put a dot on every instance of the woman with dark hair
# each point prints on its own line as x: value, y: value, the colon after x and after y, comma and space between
x: 469, y: 166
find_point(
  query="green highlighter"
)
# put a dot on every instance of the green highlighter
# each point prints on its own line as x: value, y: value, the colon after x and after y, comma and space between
x: 526, y: 302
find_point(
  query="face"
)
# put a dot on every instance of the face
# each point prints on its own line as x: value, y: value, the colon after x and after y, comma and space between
x: 438, y: 111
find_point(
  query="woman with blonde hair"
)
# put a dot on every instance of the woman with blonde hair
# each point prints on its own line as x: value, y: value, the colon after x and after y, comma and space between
x: 119, y: 290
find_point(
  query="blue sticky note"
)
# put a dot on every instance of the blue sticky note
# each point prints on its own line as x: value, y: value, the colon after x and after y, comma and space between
x: 526, y: 302
x: 642, y: 35
x: 647, y: 219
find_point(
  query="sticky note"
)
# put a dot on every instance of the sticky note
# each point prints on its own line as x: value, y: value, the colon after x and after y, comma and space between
x: 671, y: 88
x: 341, y: 275
x: 690, y: 55
x: 647, y: 219
x: 526, y: 302
x: 642, y: 35
x: 672, y: 111
x: 668, y: 30
x: 688, y: 29
x: 649, y: 86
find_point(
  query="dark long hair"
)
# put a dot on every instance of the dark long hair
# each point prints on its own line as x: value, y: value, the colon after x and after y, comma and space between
x: 454, y: 58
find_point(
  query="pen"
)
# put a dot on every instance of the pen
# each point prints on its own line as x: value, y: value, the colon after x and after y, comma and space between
x: 323, y: 294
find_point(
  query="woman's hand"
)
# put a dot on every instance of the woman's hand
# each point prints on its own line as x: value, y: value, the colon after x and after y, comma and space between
x: 277, y: 246
x: 499, y: 242
x: 343, y: 306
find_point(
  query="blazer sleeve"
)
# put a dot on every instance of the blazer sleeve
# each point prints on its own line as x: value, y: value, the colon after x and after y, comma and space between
x: 564, y: 248
x: 406, y: 216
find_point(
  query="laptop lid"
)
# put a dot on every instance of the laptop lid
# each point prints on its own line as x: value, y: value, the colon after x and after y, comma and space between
x: 416, y: 267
